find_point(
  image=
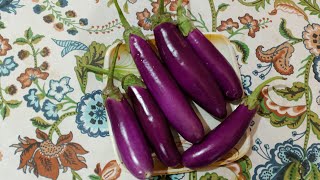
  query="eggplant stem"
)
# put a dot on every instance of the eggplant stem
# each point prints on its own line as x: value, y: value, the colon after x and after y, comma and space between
x: 123, y: 20
x: 110, y: 84
x: 252, y: 99
x: 161, y: 7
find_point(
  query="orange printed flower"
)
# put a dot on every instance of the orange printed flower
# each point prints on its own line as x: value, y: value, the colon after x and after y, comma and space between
x: 4, y: 46
x: 46, y: 158
x: 30, y: 75
x: 58, y: 26
x: 311, y: 38
x: 174, y: 4
x: 1, y: 156
x: 144, y: 20
x: 227, y: 25
x: 111, y: 171
x: 252, y: 24
x: 155, y: 5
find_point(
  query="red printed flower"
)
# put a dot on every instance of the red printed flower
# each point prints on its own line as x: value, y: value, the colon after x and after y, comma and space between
x: 46, y: 158
x: 144, y: 19
x: 252, y: 24
x: 227, y: 25
x: 111, y: 171
x: 30, y: 75
x: 4, y: 46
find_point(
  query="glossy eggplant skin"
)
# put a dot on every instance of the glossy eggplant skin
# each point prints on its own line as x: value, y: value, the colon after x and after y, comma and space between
x: 155, y: 125
x: 132, y: 145
x: 217, y: 64
x: 187, y: 69
x: 220, y: 140
x: 165, y: 91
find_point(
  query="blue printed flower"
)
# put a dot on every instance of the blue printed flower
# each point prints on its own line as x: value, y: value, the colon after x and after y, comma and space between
x: 287, y: 157
x: 316, y: 68
x: 83, y: 21
x: 92, y: 117
x: 38, y: 9
x: 62, y: 3
x: 7, y: 66
x: 10, y: 6
x: 50, y: 110
x: 246, y: 83
x: 72, y: 31
x: 58, y: 89
x: 32, y: 100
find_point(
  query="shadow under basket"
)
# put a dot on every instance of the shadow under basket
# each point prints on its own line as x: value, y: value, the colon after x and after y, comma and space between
x: 224, y: 46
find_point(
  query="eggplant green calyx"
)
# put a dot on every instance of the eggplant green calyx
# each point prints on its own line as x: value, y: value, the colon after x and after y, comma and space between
x: 131, y: 80
x: 161, y: 16
x: 184, y: 23
x: 128, y: 29
x: 110, y: 90
x: 252, y: 100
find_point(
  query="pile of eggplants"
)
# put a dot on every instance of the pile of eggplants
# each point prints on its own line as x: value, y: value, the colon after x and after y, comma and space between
x: 190, y: 68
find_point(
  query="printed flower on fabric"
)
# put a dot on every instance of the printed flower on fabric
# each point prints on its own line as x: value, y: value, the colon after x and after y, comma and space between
x: 286, y: 160
x: 228, y: 25
x: 111, y: 171
x: 1, y: 156
x: 246, y: 83
x: 59, y: 89
x: 92, y: 117
x: 10, y: 6
x: 46, y: 158
x: 155, y: 5
x: 7, y: 66
x: 144, y: 19
x: 311, y: 38
x: 62, y: 3
x: 251, y: 24
x: 316, y: 68
x: 30, y: 75
x: 32, y: 99
x: 4, y: 46
x: 50, y: 110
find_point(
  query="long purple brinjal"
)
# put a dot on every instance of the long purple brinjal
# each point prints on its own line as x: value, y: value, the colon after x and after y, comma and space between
x: 220, y: 69
x: 187, y: 69
x: 152, y: 120
x: 226, y: 135
x: 132, y: 145
x: 161, y: 85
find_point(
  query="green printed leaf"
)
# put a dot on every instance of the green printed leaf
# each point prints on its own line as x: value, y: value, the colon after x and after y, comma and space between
x: 37, y: 38
x: 13, y: 103
x: 246, y: 165
x: 315, y: 122
x: 94, y: 177
x: 286, y: 33
x: 126, y: 7
x: 293, y: 93
x: 99, y: 77
x: 292, y: 172
x: 257, y: 3
x: 213, y: 175
x: 290, y: 122
x: 2, y: 26
x: 222, y: 7
x: 82, y: 73
x: 243, y: 49
x: 5, y: 112
x: 96, y: 54
x: 110, y: 2
x: 312, y: 6
x: 313, y: 173
x: 28, y: 34
x: 40, y: 123
x: 21, y: 41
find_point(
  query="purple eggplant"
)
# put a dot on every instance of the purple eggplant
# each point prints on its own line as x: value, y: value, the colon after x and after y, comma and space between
x: 152, y: 120
x: 226, y: 135
x: 185, y: 66
x: 215, y: 62
x: 132, y: 145
x: 161, y: 85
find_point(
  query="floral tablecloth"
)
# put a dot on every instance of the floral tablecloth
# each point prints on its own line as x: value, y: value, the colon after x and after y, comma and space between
x: 53, y: 123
